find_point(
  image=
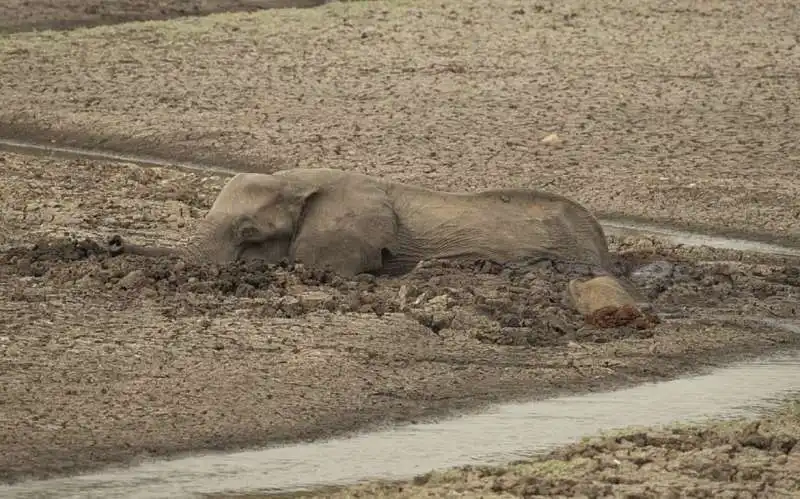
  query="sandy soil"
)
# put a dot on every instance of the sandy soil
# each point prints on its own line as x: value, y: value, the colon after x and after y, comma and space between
x: 27, y: 15
x: 674, y: 111
x: 110, y: 359
x: 742, y: 458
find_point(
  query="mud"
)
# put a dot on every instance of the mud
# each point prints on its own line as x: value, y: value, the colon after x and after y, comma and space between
x: 28, y: 15
x: 113, y: 359
x: 739, y: 458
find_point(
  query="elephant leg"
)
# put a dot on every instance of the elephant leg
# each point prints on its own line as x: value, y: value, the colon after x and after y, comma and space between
x: 348, y: 232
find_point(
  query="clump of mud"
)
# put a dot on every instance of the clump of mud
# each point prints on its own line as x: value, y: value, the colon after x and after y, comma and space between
x: 36, y: 260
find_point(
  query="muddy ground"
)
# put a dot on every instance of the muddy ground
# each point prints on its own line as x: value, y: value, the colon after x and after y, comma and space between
x: 111, y: 359
x: 29, y: 15
x: 674, y: 111
x: 741, y: 458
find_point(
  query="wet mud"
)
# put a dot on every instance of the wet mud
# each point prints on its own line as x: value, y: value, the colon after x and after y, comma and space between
x: 495, y: 327
x: 523, y: 303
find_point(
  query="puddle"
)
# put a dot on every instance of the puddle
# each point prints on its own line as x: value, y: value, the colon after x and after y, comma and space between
x: 498, y: 435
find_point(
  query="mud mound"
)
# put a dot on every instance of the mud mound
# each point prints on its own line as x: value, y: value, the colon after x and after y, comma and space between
x: 36, y: 260
x: 522, y: 304
x: 622, y: 316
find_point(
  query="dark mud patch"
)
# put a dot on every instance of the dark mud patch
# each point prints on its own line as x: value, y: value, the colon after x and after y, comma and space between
x: 519, y: 304
x: 20, y: 15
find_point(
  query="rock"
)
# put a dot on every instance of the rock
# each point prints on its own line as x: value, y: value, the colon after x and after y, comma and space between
x: 553, y: 140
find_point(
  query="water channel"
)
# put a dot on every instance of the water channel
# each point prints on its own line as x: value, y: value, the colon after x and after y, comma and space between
x: 500, y: 434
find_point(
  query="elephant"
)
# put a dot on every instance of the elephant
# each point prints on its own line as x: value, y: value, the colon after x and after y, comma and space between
x: 608, y: 301
x: 590, y: 295
x: 354, y: 223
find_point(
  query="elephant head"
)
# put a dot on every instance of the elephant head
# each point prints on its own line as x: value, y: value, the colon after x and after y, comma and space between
x: 322, y: 218
x: 254, y: 217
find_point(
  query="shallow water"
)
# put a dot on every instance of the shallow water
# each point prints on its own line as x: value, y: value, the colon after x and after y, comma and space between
x: 616, y: 227
x: 498, y: 435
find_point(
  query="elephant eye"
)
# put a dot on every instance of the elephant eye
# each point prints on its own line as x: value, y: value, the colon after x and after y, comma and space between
x: 246, y: 231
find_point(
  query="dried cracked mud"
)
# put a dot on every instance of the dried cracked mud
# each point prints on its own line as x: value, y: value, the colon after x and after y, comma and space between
x: 672, y: 111
x: 742, y: 458
x: 110, y: 359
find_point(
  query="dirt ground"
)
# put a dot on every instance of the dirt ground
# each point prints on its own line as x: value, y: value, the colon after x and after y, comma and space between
x: 672, y: 112
x: 106, y: 360
x: 741, y: 458
x: 29, y: 15
x: 679, y: 112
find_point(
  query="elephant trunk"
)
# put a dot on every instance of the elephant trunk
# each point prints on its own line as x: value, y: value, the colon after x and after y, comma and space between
x: 208, y: 245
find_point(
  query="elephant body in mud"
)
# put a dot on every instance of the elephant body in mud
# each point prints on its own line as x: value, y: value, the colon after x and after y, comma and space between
x: 354, y: 223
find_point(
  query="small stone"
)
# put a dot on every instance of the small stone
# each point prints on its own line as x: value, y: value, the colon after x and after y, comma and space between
x: 553, y: 140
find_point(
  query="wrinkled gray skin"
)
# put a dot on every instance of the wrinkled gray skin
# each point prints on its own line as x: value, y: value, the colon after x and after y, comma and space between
x: 354, y: 223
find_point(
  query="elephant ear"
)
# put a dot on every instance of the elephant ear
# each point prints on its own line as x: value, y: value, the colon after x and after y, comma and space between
x: 348, y: 228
